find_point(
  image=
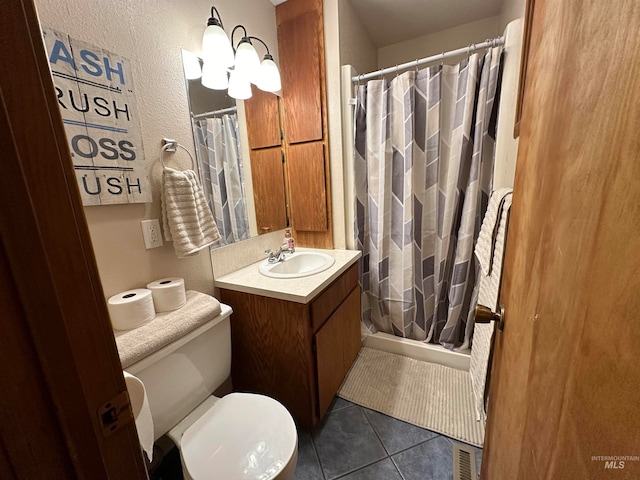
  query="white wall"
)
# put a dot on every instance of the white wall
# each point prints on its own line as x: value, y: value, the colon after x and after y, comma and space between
x: 345, y: 38
x: 439, y: 42
x: 150, y: 34
x: 511, y: 10
x: 356, y: 47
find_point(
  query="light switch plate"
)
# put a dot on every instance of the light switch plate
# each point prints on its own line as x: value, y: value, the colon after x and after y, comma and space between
x: 151, y: 233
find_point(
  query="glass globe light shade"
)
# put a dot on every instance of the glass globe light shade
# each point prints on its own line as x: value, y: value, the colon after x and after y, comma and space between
x: 268, y: 78
x: 216, y: 47
x: 247, y: 60
x: 239, y: 86
x: 214, y: 77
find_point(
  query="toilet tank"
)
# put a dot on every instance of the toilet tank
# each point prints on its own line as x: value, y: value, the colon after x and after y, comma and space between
x: 181, y: 375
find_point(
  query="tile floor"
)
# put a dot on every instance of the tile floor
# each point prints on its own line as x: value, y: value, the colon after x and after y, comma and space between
x: 355, y: 443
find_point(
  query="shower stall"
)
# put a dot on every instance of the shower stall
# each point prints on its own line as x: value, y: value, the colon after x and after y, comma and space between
x: 421, y: 337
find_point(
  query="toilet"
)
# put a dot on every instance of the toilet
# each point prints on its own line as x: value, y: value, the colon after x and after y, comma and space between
x: 239, y: 436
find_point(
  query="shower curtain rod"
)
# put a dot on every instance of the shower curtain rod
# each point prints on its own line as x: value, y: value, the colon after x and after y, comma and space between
x: 495, y: 42
x: 200, y: 116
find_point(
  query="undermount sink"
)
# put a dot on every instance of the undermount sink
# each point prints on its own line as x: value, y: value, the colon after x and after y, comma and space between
x: 298, y: 264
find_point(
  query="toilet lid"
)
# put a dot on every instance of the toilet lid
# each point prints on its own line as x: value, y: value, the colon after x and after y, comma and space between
x: 243, y: 436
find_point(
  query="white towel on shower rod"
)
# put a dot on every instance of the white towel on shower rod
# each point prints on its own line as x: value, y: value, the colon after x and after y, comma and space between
x: 186, y: 218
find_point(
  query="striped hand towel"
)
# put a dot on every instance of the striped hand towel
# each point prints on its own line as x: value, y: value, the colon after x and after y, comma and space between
x: 186, y: 217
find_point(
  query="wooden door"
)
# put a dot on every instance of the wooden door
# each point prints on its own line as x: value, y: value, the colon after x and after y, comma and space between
x: 267, y: 173
x: 565, y: 380
x: 307, y: 180
x: 59, y: 359
x: 299, y: 49
x: 262, y: 112
x: 304, y: 109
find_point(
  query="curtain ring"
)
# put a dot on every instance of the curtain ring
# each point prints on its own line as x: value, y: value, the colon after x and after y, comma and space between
x: 416, y: 65
x: 397, y: 71
x: 442, y: 59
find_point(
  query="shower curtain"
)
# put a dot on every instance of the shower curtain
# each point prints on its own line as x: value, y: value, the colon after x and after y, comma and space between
x: 220, y: 165
x: 424, y: 148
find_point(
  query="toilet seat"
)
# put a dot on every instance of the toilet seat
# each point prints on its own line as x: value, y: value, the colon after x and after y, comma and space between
x: 242, y: 436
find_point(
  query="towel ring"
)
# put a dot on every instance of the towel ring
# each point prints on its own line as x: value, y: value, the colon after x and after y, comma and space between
x: 174, y: 145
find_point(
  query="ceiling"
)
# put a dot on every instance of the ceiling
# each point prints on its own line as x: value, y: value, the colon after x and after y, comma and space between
x: 392, y: 21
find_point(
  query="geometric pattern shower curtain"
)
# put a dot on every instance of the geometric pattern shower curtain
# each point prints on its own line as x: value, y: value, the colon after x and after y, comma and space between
x: 220, y: 165
x: 424, y: 151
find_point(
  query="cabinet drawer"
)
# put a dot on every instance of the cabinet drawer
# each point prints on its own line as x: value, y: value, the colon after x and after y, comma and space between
x: 326, y: 303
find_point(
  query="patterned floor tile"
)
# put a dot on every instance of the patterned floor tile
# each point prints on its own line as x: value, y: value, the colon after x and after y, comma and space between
x: 308, y: 467
x: 382, y: 470
x: 431, y: 460
x: 345, y: 441
x: 397, y: 435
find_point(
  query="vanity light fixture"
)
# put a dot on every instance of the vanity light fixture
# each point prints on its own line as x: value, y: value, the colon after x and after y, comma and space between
x: 244, y: 68
x: 268, y: 76
x: 214, y: 77
x: 216, y: 48
x: 239, y: 86
x: 247, y: 61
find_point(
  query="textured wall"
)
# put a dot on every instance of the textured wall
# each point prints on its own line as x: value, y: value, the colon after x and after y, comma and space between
x: 150, y: 34
x: 439, y: 42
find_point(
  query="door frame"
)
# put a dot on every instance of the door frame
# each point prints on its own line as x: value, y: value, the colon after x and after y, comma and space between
x: 61, y: 363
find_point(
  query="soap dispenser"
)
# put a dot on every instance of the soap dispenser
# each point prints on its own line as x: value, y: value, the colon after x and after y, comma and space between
x: 289, y: 241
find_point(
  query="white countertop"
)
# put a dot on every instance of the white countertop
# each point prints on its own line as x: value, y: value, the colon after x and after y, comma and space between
x: 300, y: 290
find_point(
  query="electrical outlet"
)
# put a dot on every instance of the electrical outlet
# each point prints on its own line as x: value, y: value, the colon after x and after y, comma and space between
x: 151, y: 233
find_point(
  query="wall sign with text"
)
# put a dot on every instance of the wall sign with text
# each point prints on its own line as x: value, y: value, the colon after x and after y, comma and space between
x: 98, y: 105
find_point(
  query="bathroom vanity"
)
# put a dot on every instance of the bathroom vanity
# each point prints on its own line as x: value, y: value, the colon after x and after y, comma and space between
x: 295, y: 339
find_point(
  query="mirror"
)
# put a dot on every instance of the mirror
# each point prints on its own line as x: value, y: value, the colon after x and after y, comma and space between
x: 233, y: 176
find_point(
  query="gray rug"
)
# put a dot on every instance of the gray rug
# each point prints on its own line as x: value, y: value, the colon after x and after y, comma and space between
x: 425, y: 394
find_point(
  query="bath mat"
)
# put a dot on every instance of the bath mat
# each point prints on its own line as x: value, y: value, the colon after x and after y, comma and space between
x: 425, y: 394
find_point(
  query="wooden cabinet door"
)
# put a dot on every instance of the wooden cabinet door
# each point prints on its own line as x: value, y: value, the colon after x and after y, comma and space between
x: 337, y: 344
x: 307, y: 185
x: 268, y: 189
x: 299, y: 52
x: 329, y: 360
x: 352, y: 341
x: 262, y: 112
x: 564, y: 391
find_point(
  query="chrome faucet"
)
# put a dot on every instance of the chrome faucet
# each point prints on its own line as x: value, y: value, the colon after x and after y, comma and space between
x: 275, y: 257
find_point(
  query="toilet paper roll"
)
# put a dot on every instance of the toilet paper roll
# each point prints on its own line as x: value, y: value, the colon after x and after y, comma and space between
x: 168, y: 294
x: 141, y: 412
x: 131, y: 309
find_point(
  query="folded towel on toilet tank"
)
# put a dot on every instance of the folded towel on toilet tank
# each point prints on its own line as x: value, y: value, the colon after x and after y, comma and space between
x: 165, y: 328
